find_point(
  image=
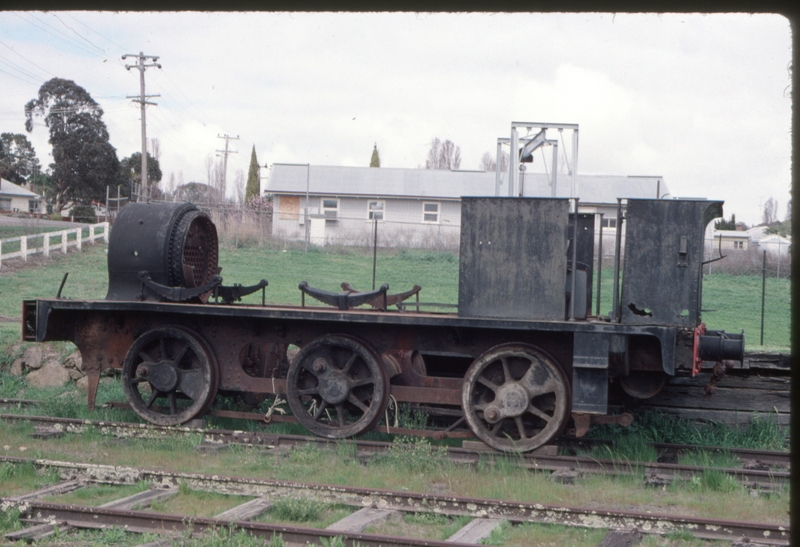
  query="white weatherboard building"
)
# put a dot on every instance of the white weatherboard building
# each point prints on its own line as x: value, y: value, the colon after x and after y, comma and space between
x: 415, y: 207
x: 16, y: 199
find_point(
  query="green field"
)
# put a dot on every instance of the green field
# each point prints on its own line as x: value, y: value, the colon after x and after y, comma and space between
x: 730, y: 303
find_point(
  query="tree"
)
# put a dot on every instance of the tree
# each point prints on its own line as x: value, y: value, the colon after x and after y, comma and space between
x: 375, y: 160
x: 443, y: 155
x: 726, y: 224
x: 84, y: 160
x: 130, y: 172
x: 18, y: 160
x: 770, y: 215
x: 488, y: 162
x: 238, y: 185
x: 253, y: 184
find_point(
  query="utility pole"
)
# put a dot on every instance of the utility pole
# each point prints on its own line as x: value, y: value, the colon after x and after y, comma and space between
x: 142, y: 100
x: 225, y: 160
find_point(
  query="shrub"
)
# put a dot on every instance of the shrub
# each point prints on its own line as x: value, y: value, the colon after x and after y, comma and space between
x: 84, y: 213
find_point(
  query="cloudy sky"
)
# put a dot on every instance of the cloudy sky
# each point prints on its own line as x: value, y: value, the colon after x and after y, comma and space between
x: 702, y: 100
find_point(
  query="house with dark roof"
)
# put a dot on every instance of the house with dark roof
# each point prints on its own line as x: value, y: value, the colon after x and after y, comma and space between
x: 16, y: 199
x: 414, y: 207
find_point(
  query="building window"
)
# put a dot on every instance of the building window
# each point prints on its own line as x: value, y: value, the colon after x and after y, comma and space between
x: 376, y: 209
x: 33, y: 206
x: 430, y: 213
x: 5, y: 204
x: 330, y: 208
x: 609, y: 222
x: 738, y: 244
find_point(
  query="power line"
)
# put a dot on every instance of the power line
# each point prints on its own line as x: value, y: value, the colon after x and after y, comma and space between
x: 28, y: 60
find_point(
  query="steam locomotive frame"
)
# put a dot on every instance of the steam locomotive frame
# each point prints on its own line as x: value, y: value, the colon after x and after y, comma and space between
x: 521, y: 357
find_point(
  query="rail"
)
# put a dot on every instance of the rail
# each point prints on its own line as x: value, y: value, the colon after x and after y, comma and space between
x: 64, y: 237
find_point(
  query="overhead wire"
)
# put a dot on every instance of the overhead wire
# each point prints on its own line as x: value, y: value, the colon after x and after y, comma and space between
x: 26, y: 59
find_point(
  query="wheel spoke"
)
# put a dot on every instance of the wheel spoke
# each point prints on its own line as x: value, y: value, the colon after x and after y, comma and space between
x: 353, y: 399
x: 181, y: 355
x: 496, y: 428
x: 137, y: 380
x: 349, y: 363
x: 506, y: 372
x: 340, y: 414
x: 162, y: 348
x: 488, y: 383
x: 309, y: 391
x: 536, y: 412
x: 173, y: 404
x: 144, y: 357
x: 153, y: 398
x: 520, y: 427
x: 362, y: 382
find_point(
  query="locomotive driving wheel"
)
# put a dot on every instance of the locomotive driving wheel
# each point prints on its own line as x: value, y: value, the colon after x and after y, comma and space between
x: 169, y: 376
x: 337, y: 387
x: 515, y: 397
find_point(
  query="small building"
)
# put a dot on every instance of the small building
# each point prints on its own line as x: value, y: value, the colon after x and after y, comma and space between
x: 414, y: 207
x: 775, y: 244
x: 737, y: 240
x: 16, y: 199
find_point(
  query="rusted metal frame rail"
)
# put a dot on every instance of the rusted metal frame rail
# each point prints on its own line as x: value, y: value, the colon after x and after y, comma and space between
x: 756, y: 478
x: 249, y: 311
x: 78, y: 516
x: 513, y: 511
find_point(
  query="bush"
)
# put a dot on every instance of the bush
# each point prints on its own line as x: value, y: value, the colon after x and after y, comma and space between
x: 84, y: 213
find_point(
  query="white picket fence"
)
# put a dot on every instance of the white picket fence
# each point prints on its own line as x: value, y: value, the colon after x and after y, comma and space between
x: 62, y: 243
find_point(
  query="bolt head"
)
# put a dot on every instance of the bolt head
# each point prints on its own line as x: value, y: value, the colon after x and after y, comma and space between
x: 492, y: 414
x: 318, y: 366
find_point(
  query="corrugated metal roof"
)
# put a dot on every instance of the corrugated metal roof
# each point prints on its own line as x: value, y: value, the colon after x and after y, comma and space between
x: 441, y: 184
x: 9, y: 188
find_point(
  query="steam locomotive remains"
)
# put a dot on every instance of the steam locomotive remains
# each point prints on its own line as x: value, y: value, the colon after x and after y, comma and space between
x: 521, y: 357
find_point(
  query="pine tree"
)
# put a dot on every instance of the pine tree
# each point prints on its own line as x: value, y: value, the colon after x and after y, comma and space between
x: 375, y: 161
x: 253, y: 189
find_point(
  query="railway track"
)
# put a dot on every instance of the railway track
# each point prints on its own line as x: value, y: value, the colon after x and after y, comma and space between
x: 760, y: 470
x: 360, y: 498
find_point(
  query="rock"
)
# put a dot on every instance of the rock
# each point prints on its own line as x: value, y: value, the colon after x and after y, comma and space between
x: 33, y: 356
x: 74, y: 360
x: 51, y: 374
x: 75, y: 374
x: 16, y: 368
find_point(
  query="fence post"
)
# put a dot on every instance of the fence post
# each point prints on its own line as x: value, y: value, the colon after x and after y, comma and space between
x: 46, y: 243
x: 763, y: 291
x: 64, y: 242
x: 1, y: 252
x: 374, y: 250
x: 79, y: 237
x: 106, y: 227
x: 23, y: 247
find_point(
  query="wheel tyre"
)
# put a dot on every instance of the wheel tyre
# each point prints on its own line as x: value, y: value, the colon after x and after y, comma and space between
x: 185, y: 359
x: 515, y: 397
x: 345, y: 395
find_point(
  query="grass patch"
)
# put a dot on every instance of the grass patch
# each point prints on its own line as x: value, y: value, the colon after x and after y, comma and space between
x: 762, y: 433
x: 413, y: 454
x: 18, y: 478
x: 298, y: 509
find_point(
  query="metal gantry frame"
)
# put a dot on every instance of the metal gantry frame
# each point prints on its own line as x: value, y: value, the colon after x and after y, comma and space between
x: 530, y: 145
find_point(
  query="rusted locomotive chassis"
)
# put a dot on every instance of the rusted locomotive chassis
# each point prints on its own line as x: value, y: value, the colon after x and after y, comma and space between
x: 104, y: 331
